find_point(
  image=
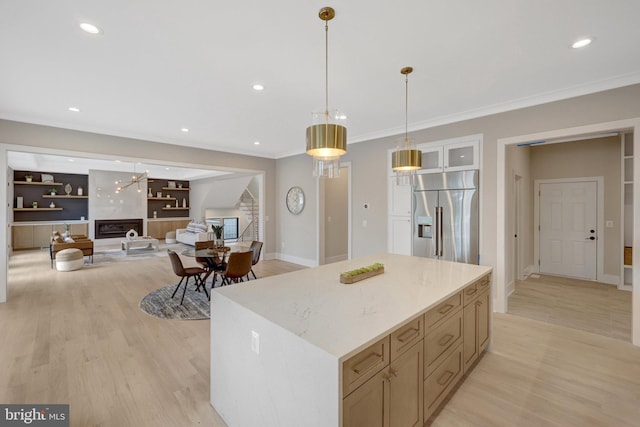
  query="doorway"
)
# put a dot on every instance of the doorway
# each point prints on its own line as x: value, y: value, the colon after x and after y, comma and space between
x: 334, y: 217
x: 567, y: 221
x: 631, y: 126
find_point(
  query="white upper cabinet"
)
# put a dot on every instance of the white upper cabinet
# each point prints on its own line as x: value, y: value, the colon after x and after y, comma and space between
x: 451, y: 155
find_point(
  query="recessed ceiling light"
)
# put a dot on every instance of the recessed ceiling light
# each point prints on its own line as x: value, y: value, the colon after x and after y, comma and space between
x: 74, y: 109
x: 71, y: 160
x: 117, y: 161
x: 185, y: 130
x: 342, y: 117
x: 90, y: 28
x: 581, y: 43
x: 258, y: 87
x: 256, y: 143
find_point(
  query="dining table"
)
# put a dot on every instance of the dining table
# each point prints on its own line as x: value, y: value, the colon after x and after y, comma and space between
x: 216, y: 258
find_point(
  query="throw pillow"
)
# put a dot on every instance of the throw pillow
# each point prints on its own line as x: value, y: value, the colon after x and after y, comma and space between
x: 196, y: 227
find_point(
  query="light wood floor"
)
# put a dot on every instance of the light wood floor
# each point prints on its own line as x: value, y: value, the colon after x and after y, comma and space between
x: 79, y: 338
x: 588, y: 306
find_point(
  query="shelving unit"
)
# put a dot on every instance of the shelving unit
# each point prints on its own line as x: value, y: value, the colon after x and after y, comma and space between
x: 66, y: 207
x: 36, y: 209
x: 627, y: 208
x: 63, y: 196
x: 158, y: 206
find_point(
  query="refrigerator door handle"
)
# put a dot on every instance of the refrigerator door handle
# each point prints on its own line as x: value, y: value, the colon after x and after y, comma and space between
x: 440, y: 234
x: 437, y: 233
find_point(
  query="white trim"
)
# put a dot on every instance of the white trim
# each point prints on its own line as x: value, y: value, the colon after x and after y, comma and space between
x: 501, y: 232
x: 528, y: 270
x: 336, y: 258
x: 609, y: 279
x: 4, y: 219
x: 296, y: 260
x: 599, y: 221
x: 511, y: 288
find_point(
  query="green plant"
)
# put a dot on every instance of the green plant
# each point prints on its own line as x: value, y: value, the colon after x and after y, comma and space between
x: 217, y: 230
x: 372, y: 267
x: 53, y: 190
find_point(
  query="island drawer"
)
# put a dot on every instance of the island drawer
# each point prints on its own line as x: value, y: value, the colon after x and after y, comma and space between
x: 406, y: 336
x: 359, y: 368
x: 438, y: 385
x: 440, y: 342
x: 473, y: 290
x: 446, y: 308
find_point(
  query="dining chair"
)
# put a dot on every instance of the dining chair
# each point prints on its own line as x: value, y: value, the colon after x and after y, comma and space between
x: 186, y: 273
x: 238, y: 266
x: 256, y: 248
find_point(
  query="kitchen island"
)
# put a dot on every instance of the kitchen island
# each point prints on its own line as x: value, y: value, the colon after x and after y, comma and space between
x: 304, y: 349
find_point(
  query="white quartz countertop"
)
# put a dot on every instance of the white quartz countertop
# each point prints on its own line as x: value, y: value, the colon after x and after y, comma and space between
x: 342, y: 319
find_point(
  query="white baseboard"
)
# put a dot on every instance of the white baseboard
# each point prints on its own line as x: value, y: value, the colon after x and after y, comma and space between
x: 610, y: 279
x: 530, y: 269
x: 336, y: 258
x: 511, y: 287
x: 296, y: 260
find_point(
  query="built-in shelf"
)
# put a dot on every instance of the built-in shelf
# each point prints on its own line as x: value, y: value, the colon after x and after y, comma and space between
x: 175, y: 209
x: 63, y: 196
x: 36, y: 183
x: 36, y: 209
x: 161, y: 198
x: 176, y: 188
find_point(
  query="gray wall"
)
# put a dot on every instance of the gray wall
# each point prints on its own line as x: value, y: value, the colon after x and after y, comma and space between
x: 369, y: 173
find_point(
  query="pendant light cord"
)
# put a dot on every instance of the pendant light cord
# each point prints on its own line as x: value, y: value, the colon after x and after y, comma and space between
x: 406, y: 110
x: 326, y: 71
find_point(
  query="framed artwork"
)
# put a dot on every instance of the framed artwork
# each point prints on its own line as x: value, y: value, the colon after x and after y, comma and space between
x: 171, y: 184
x: 47, y: 178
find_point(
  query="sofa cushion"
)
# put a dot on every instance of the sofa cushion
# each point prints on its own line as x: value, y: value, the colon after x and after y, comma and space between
x: 196, y: 227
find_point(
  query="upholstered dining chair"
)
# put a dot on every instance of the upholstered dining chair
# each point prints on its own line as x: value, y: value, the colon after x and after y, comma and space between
x: 238, y: 266
x: 186, y: 273
x: 255, y: 248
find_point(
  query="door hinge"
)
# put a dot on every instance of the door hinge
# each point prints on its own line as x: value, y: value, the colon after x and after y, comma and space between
x: 538, y: 262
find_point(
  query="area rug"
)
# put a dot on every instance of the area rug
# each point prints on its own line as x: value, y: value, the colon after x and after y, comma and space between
x: 160, y: 304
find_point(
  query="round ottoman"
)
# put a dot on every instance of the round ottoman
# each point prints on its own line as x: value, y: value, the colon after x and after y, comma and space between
x: 170, y: 237
x: 69, y: 260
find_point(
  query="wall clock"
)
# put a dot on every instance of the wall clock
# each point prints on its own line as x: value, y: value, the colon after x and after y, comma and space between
x: 295, y: 200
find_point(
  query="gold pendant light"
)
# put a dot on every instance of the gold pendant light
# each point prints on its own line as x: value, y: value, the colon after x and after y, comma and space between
x: 326, y: 137
x: 406, y: 160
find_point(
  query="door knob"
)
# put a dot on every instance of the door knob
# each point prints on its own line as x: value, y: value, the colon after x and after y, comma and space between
x: 590, y: 238
x: 593, y: 231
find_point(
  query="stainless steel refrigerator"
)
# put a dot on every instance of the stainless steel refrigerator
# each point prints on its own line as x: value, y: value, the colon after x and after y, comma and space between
x: 445, y: 216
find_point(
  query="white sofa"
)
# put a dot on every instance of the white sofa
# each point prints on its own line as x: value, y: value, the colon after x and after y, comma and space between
x: 190, y: 238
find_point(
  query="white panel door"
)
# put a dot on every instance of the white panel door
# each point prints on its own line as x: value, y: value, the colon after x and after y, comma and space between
x: 568, y: 233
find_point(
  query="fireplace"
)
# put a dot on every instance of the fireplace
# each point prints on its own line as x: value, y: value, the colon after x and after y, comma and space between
x: 110, y: 228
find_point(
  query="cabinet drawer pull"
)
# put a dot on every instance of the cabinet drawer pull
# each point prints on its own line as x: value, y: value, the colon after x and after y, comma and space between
x: 471, y: 291
x: 447, y: 308
x: 366, y: 363
x: 444, y: 378
x: 408, y: 335
x: 445, y: 340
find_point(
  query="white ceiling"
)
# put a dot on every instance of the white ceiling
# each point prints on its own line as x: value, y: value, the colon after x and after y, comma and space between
x: 160, y: 66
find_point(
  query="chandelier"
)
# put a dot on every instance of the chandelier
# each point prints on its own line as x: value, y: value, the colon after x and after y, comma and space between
x: 326, y: 137
x: 406, y: 160
x: 136, y: 179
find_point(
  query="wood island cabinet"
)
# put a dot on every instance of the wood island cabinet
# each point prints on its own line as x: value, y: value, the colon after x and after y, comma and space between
x: 402, y: 380
x: 476, y: 315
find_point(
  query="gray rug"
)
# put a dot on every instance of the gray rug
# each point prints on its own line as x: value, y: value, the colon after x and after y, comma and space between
x: 160, y: 304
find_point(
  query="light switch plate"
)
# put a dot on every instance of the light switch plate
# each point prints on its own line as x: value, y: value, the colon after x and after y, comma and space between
x: 255, y: 342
